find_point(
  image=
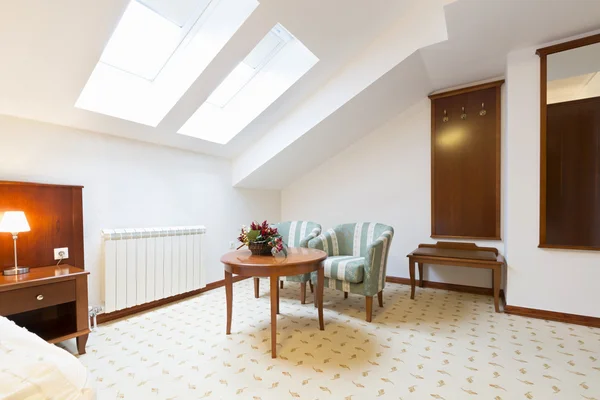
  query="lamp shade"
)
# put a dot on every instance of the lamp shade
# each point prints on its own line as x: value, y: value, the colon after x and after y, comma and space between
x: 14, y: 222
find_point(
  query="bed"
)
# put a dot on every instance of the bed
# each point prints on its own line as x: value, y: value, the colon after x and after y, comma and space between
x: 32, y: 369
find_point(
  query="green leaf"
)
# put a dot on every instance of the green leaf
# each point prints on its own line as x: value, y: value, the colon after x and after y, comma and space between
x: 252, y: 235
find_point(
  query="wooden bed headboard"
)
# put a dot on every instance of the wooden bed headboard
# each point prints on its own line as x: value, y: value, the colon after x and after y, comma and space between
x: 55, y: 215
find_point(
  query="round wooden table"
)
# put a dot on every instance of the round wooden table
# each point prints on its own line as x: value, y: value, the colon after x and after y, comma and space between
x: 298, y: 261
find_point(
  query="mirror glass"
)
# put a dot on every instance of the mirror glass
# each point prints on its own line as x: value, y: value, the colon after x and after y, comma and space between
x: 574, y: 74
x: 572, y: 151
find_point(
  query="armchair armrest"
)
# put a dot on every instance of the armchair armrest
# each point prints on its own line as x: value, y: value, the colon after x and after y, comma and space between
x: 376, y: 263
x: 312, y: 235
x: 321, y: 242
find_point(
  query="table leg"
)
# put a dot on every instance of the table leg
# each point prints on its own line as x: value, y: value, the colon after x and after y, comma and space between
x: 497, y: 282
x: 420, y: 274
x: 256, y: 286
x: 274, y: 305
x: 411, y: 271
x: 320, y: 288
x: 278, y: 286
x: 316, y: 294
x: 303, y: 292
x: 229, y: 295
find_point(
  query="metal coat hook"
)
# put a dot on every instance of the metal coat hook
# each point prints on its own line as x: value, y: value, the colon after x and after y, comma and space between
x: 482, y: 112
x: 445, y: 119
x: 464, y: 114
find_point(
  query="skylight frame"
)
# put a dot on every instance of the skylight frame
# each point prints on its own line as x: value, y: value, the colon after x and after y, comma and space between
x: 116, y: 93
x: 276, y: 76
x: 256, y: 71
x: 186, y: 30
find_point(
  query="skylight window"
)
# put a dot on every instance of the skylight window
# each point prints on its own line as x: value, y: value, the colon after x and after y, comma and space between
x: 157, y: 51
x: 268, y: 71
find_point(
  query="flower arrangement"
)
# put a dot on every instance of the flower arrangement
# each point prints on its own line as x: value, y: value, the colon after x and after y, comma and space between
x: 261, y: 238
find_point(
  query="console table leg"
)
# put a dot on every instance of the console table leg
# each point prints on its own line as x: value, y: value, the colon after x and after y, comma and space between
x: 274, y: 306
x: 497, y: 282
x: 229, y: 296
x: 420, y: 274
x: 81, y: 342
x: 411, y: 271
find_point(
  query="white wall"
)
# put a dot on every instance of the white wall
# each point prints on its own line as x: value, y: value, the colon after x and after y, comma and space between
x: 555, y: 280
x: 132, y: 184
x: 422, y: 25
x: 384, y: 177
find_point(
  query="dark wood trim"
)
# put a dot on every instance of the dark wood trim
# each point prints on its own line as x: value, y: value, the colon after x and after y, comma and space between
x: 38, y: 184
x: 498, y: 161
x: 106, y: 317
x: 568, y: 247
x: 468, y: 89
x: 553, y: 316
x: 447, y: 286
x: 543, y: 162
x: 571, y: 44
x: 466, y: 237
x: 432, y: 157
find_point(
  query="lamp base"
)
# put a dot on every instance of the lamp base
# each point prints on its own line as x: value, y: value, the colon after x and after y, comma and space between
x: 15, y: 271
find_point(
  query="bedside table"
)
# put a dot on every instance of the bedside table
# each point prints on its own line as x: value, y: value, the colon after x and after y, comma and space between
x: 51, y: 302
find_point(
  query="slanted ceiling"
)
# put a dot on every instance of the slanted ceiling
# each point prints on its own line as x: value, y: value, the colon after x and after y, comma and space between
x: 370, y: 68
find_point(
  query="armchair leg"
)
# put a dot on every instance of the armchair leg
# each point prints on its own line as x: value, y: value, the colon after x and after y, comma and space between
x: 369, y: 301
x: 281, y: 284
x: 303, y: 292
x: 256, y: 284
x: 380, y: 298
x: 312, y: 290
x: 345, y: 295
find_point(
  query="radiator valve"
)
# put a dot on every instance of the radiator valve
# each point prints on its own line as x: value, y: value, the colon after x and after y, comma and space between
x: 94, y: 311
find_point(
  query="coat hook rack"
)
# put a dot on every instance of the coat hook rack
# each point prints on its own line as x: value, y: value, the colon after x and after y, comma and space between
x: 464, y: 114
x: 483, y: 111
x: 445, y: 119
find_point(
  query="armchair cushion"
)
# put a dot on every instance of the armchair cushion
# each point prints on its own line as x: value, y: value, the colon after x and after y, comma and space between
x: 345, y: 268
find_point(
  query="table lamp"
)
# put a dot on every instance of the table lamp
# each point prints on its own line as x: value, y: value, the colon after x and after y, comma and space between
x: 14, y: 222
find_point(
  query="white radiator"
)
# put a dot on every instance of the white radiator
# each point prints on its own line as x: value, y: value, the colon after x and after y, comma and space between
x: 143, y: 265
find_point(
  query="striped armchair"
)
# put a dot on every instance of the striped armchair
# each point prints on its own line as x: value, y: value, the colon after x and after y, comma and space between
x: 357, y: 259
x: 296, y: 234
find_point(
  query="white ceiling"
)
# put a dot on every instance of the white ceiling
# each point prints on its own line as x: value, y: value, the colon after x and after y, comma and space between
x: 49, y: 49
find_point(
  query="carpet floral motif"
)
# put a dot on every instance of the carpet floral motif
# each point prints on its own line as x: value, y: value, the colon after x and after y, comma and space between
x: 443, y: 346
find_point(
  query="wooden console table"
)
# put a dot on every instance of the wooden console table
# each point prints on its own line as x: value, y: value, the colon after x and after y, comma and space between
x: 457, y: 254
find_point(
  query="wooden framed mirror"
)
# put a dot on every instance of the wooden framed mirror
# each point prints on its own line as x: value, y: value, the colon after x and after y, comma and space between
x: 570, y: 145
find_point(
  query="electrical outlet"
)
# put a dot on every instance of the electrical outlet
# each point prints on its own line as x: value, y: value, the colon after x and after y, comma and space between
x: 232, y: 245
x: 63, y: 250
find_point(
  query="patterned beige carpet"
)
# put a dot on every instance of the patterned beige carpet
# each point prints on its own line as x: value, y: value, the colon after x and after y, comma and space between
x: 443, y: 345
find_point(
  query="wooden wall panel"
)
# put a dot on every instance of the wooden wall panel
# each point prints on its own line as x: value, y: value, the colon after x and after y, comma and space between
x: 573, y: 173
x: 55, y: 215
x: 465, y: 163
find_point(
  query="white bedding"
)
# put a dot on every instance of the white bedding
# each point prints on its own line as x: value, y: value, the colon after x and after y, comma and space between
x: 32, y: 369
